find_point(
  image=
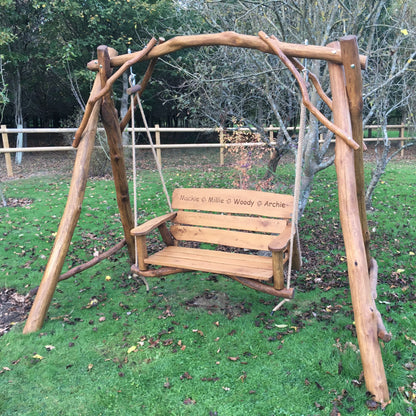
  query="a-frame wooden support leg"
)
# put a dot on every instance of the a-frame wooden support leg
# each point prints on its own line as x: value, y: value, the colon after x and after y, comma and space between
x: 115, y: 143
x: 354, y: 86
x: 77, y: 191
x: 68, y: 222
x: 365, y: 313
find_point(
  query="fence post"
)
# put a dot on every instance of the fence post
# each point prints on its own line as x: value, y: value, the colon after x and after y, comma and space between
x: 401, y: 134
x: 271, y: 138
x: 7, y: 156
x: 271, y: 133
x: 158, y: 150
x: 221, y: 130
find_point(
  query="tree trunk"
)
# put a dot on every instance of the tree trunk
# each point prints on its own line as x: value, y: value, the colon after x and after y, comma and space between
x: 380, y: 168
x: 280, y: 149
x: 124, y: 106
x: 18, y: 115
x: 2, y: 197
x: 310, y: 162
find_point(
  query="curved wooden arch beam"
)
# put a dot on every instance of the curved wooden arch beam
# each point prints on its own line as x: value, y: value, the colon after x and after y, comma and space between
x: 275, y: 46
x: 237, y: 40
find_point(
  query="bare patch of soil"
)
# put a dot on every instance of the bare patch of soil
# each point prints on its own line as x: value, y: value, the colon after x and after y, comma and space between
x: 13, y: 308
x: 213, y: 301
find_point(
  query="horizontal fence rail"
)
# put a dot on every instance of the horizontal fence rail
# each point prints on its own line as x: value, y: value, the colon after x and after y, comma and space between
x: 7, y: 150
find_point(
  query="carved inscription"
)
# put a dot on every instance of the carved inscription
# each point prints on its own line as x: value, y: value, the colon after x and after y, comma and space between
x: 235, y: 201
x: 275, y: 204
x: 190, y: 198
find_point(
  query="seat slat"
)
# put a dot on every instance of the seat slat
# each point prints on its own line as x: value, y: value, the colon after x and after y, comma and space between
x: 257, y: 224
x: 217, y: 256
x: 233, y: 264
x: 238, y: 201
x: 238, y: 239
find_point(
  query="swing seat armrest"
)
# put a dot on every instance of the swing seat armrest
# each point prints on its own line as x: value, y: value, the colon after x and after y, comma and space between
x: 148, y: 226
x: 280, y: 242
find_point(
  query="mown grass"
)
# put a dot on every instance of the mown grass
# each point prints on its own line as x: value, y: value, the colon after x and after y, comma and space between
x: 138, y: 353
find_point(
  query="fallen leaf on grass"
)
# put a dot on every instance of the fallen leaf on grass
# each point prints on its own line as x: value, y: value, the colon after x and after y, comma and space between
x: 410, y: 339
x: 409, y: 366
x: 49, y: 347
x: 38, y: 357
x: 189, y: 401
x: 233, y: 358
x: 335, y: 411
x: 93, y: 302
x: 90, y: 366
x: 186, y: 376
x: 243, y: 377
x: 210, y: 379
x: 132, y: 349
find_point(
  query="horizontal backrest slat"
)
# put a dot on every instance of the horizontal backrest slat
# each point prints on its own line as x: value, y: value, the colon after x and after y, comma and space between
x: 235, y: 222
x: 237, y: 201
x: 238, y: 239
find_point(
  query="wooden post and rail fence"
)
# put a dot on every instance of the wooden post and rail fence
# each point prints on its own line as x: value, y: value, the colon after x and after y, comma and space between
x: 159, y: 131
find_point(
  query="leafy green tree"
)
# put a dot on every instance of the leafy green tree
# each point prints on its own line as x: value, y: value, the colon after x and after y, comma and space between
x: 53, y: 41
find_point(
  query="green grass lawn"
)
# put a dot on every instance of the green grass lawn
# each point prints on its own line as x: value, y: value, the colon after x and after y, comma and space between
x: 157, y: 353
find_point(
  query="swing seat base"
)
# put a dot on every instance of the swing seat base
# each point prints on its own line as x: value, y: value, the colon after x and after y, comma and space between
x: 212, y: 261
x: 249, y: 223
x: 287, y: 293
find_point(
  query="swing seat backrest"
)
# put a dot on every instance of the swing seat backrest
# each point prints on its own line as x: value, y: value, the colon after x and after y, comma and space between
x: 230, y: 217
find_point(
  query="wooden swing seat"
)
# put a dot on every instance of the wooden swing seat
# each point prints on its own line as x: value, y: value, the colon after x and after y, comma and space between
x: 255, y: 224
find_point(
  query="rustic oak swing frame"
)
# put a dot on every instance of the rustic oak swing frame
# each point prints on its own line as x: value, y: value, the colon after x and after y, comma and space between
x: 345, y: 64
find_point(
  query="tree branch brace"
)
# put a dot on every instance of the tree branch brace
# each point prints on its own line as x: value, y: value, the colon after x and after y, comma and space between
x: 109, y: 83
x: 274, y: 44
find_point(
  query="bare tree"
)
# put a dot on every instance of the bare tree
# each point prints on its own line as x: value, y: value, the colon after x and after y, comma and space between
x: 221, y: 84
x: 390, y: 81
